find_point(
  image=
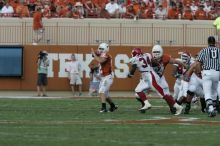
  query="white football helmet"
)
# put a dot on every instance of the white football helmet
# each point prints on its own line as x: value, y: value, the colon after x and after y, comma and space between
x: 157, y: 51
x: 103, y: 48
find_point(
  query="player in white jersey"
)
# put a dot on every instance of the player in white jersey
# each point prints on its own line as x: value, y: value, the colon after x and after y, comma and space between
x: 193, y: 76
x: 149, y: 80
x: 181, y: 87
x: 177, y: 73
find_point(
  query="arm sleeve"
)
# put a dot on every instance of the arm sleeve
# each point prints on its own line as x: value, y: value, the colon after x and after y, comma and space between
x: 133, y: 69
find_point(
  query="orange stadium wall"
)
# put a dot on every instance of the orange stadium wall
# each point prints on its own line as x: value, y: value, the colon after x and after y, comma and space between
x: 58, y: 55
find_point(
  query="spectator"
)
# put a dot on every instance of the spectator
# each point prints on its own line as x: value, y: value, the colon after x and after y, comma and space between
x: 64, y: 11
x: 7, y: 10
x: 193, y: 7
x: 130, y: 12
x: 136, y: 6
x: 200, y: 13
x: 187, y: 14
x: 173, y: 13
x: 122, y: 8
x: 22, y: 10
x: 42, y: 70
x: 150, y: 13
x: 14, y: 4
x: 144, y: 11
x: 150, y: 4
x: 180, y: 7
x: 100, y: 5
x: 161, y: 13
x: 207, y: 7
x: 53, y: 9
x: 31, y: 6
x: 78, y: 10
x: 212, y: 15
x: 2, y: 3
x: 74, y: 69
x: 187, y: 2
x: 90, y: 9
x: 37, y: 26
x: 164, y: 3
x: 94, y: 79
x: 113, y: 9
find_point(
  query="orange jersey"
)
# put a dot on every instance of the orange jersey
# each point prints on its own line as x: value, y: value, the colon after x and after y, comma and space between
x: 136, y: 8
x: 165, y: 59
x: 37, y: 20
x: 173, y: 13
x: 101, y: 3
x: 201, y: 15
x: 188, y: 15
x: 159, y: 66
x: 187, y: 2
x: 106, y: 67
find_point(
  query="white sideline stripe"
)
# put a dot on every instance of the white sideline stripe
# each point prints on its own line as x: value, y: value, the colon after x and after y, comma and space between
x: 55, y: 97
x: 188, y: 119
x: 30, y: 97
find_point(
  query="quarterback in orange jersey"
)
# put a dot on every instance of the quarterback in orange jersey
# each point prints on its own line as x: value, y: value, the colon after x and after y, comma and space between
x: 105, y: 60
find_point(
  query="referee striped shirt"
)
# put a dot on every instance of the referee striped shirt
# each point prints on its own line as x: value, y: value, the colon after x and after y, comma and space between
x: 210, y: 58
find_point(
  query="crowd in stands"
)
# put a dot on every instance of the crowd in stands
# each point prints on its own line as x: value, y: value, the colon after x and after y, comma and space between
x: 128, y: 9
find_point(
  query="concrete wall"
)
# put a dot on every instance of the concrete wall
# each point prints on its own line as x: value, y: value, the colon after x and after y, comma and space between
x: 121, y: 32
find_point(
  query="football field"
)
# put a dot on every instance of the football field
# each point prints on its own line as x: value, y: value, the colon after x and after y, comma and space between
x: 77, y: 122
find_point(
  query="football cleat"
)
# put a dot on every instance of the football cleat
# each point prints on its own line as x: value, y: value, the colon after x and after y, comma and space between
x: 187, y: 108
x: 211, y: 111
x: 172, y: 110
x: 146, y: 106
x: 179, y: 109
x: 112, y: 109
x: 103, y: 111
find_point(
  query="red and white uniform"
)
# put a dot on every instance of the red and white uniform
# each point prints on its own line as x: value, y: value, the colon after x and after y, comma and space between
x: 183, y: 86
x: 195, y: 85
x: 106, y: 74
x: 149, y: 78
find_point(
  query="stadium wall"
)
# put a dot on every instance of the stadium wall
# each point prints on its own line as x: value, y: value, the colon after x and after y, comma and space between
x: 59, y: 55
x: 121, y: 32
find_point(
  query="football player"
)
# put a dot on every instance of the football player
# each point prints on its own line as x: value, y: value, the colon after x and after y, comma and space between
x: 149, y: 80
x: 105, y: 60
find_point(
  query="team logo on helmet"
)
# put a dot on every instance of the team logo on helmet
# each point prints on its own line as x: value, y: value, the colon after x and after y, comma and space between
x: 136, y: 52
x: 185, y: 57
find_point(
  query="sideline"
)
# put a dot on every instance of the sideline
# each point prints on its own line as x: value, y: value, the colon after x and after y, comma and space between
x: 64, y: 94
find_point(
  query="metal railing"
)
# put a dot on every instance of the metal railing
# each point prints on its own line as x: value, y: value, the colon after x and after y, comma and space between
x: 119, y: 32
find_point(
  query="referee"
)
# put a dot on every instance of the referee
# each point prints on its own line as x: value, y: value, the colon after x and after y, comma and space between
x: 209, y: 60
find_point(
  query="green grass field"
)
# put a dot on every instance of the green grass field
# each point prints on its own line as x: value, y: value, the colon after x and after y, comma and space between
x: 77, y: 122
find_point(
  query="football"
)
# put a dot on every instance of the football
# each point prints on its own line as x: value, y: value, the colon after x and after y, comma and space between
x: 97, y: 53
